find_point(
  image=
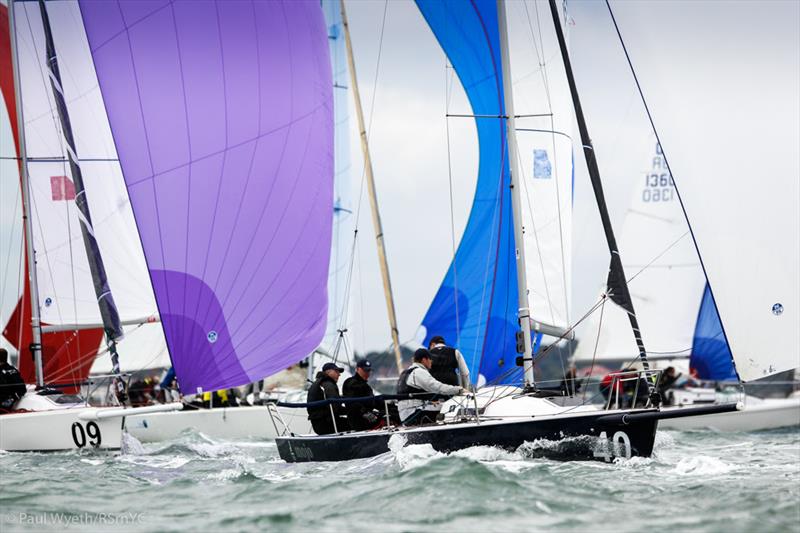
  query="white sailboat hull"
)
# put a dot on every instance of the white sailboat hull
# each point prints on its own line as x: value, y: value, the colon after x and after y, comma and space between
x: 222, y: 422
x: 59, y: 429
x: 757, y: 415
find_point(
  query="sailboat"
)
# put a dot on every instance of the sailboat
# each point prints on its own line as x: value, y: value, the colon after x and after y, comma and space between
x: 474, y: 36
x: 678, y: 294
x: 67, y: 283
x: 674, y: 301
x: 225, y: 150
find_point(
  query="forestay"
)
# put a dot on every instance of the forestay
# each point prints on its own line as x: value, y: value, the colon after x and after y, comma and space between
x: 222, y: 118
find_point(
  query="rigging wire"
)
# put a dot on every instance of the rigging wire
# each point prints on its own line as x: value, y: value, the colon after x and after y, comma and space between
x: 656, y: 258
x: 448, y: 94
x: 596, y: 342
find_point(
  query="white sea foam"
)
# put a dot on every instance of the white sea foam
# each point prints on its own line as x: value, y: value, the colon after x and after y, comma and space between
x: 170, y: 462
x: 130, y: 445
x: 212, y: 450
x: 228, y: 474
x: 411, y: 456
x: 663, y: 441
x: 702, y: 465
x: 633, y: 462
x: 486, y: 454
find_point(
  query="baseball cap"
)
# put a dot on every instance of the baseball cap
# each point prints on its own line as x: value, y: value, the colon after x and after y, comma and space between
x: 332, y: 366
x: 366, y: 365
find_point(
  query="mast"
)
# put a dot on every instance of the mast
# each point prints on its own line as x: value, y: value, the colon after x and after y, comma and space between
x: 617, y: 285
x: 105, y: 300
x: 373, y: 198
x: 36, y: 344
x: 516, y: 201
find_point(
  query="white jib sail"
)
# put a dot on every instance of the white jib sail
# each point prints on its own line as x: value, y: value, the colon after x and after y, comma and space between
x: 66, y: 290
x: 545, y: 150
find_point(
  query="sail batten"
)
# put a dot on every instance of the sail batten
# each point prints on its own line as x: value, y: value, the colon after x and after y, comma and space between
x: 223, y: 120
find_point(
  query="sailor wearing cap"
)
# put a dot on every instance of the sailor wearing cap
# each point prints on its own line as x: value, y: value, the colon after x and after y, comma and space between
x: 325, y: 388
x: 366, y: 415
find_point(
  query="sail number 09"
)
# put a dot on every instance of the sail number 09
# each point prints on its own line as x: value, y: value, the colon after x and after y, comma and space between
x: 79, y: 434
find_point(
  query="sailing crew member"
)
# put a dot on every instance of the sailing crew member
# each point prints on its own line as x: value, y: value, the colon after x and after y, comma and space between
x: 418, y: 379
x: 219, y: 398
x: 325, y: 388
x: 362, y: 416
x: 445, y: 361
x: 12, y: 387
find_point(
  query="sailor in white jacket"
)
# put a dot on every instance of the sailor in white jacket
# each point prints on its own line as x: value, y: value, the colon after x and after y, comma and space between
x: 417, y: 379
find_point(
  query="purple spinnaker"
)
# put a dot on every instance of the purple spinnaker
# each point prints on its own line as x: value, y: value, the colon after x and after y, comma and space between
x: 222, y: 118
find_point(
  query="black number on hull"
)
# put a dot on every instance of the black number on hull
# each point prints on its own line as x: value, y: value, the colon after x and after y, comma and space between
x: 79, y: 434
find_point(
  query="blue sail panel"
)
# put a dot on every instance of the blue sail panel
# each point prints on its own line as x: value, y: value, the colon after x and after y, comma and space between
x: 711, y: 357
x: 475, y: 308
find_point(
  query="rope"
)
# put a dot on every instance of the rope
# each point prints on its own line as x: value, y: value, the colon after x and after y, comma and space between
x: 596, y: 343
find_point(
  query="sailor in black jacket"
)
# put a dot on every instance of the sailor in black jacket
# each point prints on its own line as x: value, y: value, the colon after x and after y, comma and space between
x: 325, y: 388
x: 12, y: 387
x: 362, y: 416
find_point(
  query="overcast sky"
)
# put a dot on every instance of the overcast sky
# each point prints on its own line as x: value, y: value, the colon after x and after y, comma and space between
x: 408, y: 136
x: 410, y: 150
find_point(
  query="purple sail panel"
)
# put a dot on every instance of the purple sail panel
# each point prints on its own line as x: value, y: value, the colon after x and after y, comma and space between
x: 222, y: 117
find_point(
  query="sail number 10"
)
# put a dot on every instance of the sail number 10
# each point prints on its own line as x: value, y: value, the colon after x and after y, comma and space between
x: 79, y: 434
x: 658, y: 187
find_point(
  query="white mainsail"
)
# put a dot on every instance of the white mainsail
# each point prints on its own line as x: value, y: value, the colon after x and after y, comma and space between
x: 666, y: 280
x: 545, y: 152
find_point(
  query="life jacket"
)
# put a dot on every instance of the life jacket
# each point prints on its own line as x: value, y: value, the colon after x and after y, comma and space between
x: 220, y: 398
x: 606, y: 383
x: 402, y: 384
x: 444, y: 365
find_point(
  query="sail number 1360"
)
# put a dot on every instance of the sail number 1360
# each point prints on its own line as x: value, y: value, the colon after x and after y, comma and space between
x: 658, y: 187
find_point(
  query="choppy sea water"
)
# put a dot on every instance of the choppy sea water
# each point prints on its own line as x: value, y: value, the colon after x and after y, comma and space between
x: 699, y: 481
